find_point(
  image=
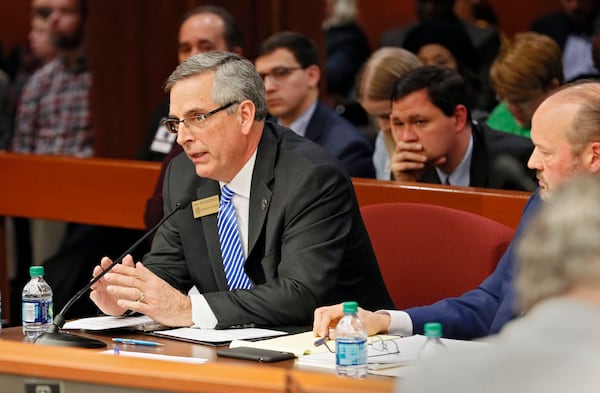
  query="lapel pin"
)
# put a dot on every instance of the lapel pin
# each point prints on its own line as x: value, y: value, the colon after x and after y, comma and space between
x: 263, y: 203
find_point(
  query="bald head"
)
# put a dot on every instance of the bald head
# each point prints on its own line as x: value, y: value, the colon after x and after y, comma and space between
x: 565, y: 130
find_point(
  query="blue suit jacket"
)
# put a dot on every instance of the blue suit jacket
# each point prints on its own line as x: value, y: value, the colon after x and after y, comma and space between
x: 342, y: 139
x: 484, y: 310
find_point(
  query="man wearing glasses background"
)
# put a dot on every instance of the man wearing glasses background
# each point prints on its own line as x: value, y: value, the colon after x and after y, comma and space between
x: 289, y: 66
x: 262, y: 247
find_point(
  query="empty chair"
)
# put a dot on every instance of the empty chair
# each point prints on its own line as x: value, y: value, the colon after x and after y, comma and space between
x: 429, y: 252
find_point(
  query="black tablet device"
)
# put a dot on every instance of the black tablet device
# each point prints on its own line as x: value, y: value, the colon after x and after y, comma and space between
x: 257, y: 354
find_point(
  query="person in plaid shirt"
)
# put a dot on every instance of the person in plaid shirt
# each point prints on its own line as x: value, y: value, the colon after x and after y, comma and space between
x: 53, y: 115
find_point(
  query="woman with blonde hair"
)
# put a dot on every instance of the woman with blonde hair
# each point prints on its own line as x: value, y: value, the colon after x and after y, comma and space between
x: 374, y: 88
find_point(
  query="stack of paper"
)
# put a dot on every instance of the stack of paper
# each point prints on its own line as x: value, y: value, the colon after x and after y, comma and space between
x: 387, y: 364
x: 299, y: 344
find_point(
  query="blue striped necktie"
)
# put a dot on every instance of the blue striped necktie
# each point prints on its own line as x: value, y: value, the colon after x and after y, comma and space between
x: 231, y: 244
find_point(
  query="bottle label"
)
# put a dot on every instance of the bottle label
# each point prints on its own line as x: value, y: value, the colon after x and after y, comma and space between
x: 351, y: 352
x: 37, y: 311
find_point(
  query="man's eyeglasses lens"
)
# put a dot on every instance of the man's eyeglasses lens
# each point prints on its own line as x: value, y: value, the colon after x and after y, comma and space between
x: 194, y: 121
x: 379, y: 346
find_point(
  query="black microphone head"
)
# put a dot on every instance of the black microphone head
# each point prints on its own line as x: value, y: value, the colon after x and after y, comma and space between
x: 508, y: 171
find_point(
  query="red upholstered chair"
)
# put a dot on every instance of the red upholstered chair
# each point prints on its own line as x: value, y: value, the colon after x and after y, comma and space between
x: 429, y: 252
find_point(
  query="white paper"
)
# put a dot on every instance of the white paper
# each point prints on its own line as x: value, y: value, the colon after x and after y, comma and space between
x: 218, y: 336
x: 409, y: 348
x: 106, y: 322
x: 145, y: 355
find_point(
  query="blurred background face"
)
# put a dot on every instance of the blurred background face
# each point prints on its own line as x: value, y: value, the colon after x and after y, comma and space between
x: 436, y: 54
x: 579, y: 10
x: 201, y: 33
x: 287, y: 92
x: 39, y: 39
x: 66, y: 24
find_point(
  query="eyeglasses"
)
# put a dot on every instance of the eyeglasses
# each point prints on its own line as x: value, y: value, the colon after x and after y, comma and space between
x: 277, y: 74
x: 193, y: 121
x: 378, y: 346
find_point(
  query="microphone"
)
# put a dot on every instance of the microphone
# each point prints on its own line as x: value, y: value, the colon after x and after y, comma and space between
x: 507, y: 170
x: 54, y: 337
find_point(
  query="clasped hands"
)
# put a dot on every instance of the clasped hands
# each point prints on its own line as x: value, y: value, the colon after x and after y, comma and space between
x: 131, y: 286
x: 410, y: 161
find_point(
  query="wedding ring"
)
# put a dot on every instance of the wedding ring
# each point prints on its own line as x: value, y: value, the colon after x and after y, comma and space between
x: 141, y: 298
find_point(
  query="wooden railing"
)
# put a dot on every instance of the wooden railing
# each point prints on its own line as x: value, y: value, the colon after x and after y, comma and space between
x: 113, y: 192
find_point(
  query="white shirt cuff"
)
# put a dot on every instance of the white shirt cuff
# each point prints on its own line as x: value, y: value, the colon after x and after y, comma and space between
x: 202, y: 315
x: 400, y: 323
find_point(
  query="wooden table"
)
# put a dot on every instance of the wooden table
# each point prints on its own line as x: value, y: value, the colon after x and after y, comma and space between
x: 83, y: 368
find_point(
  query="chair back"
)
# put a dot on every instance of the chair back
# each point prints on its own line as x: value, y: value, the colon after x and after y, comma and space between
x: 429, y: 252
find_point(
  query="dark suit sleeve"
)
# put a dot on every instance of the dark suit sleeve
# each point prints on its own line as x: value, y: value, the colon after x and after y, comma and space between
x: 473, y: 314
x: 305, y: 238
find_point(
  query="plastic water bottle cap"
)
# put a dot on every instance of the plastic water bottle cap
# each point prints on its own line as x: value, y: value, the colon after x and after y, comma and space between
x: 35, y: 271
x: 350, y: 307
x: 433, y: 329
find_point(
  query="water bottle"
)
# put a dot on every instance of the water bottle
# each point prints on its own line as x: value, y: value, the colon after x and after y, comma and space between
x: 37, y: 304
x: 433, y: 343
x: 351, y: 344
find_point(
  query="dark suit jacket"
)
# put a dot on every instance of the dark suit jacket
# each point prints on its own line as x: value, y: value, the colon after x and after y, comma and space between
x: 558, y: 26
x: 336, y: 134
x: 486, y: 309
x: 488, y: 145
x: 307, y: 243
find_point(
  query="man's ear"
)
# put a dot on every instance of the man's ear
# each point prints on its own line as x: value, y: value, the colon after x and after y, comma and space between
x: 246, y: 112
x: 460, y: 117
x: 594, y: 157
x: 314, y: 75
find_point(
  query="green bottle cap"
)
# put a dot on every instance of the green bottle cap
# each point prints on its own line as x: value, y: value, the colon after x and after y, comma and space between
x: 36, y: 271
x: 433, y: 329
x: 350, y: 307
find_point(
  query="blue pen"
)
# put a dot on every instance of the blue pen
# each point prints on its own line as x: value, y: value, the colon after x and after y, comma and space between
x: 321, y: 341
x: 131, y: 341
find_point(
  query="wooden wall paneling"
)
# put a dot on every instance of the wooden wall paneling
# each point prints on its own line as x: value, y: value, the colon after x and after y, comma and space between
x: 14, y: 24
x: 516, y: 16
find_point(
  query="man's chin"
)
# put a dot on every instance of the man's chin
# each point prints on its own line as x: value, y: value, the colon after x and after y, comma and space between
x: 545, y: 192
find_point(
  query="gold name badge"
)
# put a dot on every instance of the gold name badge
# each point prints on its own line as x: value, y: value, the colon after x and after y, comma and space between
x: 204, y: 207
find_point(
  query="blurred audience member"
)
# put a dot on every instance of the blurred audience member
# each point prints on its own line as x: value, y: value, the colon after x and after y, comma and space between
x: 54, y: 116
x: 346, y: 46
x: 446, y: 44
x: 553, y: 347
x: 528, y: 67
x: 288, y: 62
x: 23, y: 61
x: 572, y: 29
x: 374, y: 88
x: 486, y: 39
x: 436, y: 140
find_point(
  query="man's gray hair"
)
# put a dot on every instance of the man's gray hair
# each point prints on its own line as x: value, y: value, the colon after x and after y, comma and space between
x: 560, y: 248
x: 235, y: 80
